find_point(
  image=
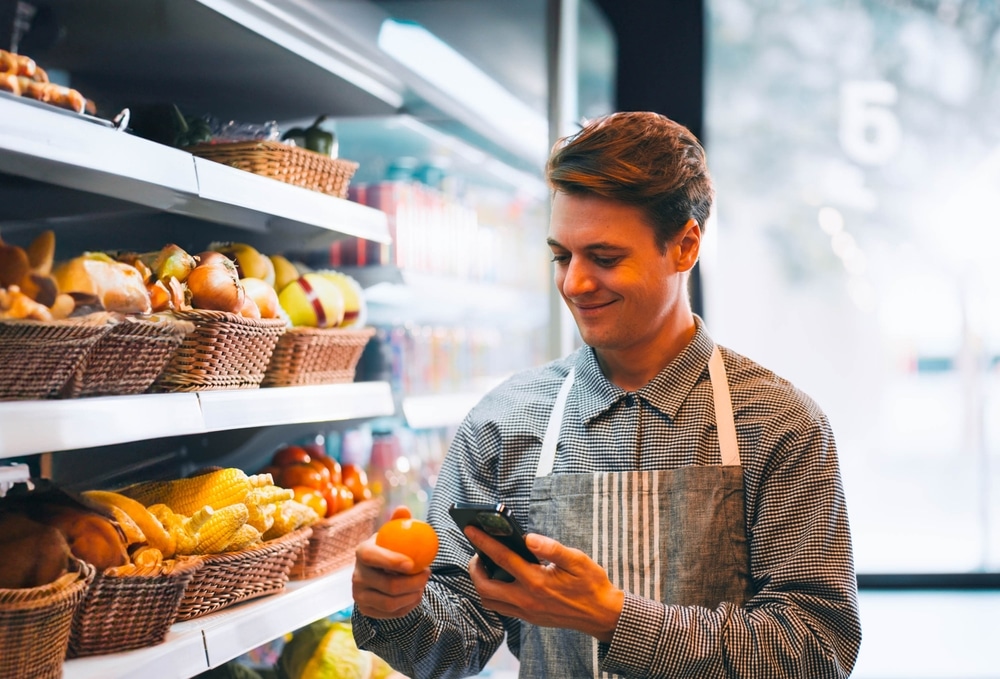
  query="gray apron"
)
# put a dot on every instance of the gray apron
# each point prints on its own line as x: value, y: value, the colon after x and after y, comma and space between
x: 676, y: 536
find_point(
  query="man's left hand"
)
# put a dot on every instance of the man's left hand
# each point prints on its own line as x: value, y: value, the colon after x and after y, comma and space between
x: 570, y: 590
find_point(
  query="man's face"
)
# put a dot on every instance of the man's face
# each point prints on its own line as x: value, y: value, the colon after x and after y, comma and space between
x: 619, y: 287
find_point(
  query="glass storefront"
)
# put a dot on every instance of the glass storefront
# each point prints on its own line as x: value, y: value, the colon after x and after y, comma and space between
x: 855, y: 249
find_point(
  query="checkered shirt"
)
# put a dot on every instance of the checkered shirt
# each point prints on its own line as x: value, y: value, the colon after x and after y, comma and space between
x: 802, y: 620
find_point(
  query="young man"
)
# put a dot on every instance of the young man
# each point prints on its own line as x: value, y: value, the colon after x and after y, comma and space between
x: 685, y: 502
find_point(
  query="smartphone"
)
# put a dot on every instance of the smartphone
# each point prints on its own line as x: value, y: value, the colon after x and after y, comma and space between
x: 498, y: 522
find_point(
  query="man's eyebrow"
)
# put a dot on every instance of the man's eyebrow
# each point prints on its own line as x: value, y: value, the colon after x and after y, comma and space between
x: 600, y: 245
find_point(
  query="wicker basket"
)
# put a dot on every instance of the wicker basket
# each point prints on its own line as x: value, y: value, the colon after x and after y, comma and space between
x: 128, y: 359
x: 333, y: 540
x: 289, y: 164
x: 229, y: 578
x: 225, y: 351
x: 127, y: 612
x: 37, y: 358
x: 316, y: 356
x: 35, y: 624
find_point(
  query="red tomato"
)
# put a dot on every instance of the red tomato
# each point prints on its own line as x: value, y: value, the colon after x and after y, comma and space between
x: 300, y: 475
x: 332, y: 465
x: 354, y: 477
x: 323, y: 470
x: 341, y: 498
x: 290, y: 455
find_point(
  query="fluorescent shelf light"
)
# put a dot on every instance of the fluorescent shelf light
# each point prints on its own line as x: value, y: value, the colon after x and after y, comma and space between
x: 435, y: 61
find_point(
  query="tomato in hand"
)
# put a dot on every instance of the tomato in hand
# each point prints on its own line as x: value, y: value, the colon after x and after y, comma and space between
x: 412, y: 537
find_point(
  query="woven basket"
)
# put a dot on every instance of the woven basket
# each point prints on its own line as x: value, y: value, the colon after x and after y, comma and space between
x: 232, y: 577
x: 225, y: 351
x: 316, y: 356
x: 289, y: 164
x: 37, y: 358
x: 128, y: 359
x: 127, y: 612
x: 334, y: 539
x: 35, y: 624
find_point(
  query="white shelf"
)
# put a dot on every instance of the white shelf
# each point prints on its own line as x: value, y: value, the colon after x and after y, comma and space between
x: 30, y: 427
x: 67, y: 150
x: 431, y: 411
x: 194, y: 646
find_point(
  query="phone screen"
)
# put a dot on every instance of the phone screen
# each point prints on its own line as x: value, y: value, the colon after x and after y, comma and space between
x: 498, y: 522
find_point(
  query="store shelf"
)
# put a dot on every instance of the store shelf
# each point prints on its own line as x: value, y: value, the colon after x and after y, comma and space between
x: 70, y: 151
x: 432, y: 411
x: 29, y: 427
x: 197, y: 645
x: 396, y: 296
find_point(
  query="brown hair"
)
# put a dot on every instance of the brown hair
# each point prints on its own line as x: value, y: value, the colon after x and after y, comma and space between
x: 642, y: 159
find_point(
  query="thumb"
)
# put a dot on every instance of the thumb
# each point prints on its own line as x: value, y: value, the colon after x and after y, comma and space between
x: 401, y: 512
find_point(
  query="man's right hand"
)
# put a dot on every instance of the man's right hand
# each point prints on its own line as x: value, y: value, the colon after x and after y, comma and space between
x: 381, y: 585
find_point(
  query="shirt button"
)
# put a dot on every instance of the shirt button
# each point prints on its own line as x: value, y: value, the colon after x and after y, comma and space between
x: 630, y: 400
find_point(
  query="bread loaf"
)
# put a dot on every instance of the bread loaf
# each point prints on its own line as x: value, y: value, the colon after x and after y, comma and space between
x: 117, y: 285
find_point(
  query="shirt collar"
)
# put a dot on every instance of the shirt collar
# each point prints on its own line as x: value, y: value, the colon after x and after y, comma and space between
x: 666, y: 392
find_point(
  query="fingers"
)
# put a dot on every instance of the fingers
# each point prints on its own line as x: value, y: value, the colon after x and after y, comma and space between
x: 503, y: 557
x: 381, y: 585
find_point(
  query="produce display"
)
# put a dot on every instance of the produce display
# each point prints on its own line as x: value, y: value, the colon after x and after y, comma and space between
x: 20, y: 75
x: 318, y: 480
x: 231, y: 277
x: 326, y: 650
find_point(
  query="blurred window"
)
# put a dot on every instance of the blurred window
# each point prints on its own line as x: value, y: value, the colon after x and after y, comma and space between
x: 856, y: 150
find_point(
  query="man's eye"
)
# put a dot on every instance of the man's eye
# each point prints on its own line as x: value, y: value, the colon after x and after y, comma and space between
x: 606, y: 261
x: 559, y: 258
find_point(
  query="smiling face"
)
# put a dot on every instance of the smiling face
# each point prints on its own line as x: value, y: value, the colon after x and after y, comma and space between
x: 628, y: 298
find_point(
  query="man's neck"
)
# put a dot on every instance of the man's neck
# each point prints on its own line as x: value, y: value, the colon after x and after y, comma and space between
x: 633, y: 368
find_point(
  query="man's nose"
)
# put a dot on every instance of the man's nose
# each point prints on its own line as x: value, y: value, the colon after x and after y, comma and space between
x: 577, y: 279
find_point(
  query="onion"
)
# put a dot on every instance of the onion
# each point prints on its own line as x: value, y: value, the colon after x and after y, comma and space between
x: 263, y: 294
x: 249, y: 308
x: 214, y: 284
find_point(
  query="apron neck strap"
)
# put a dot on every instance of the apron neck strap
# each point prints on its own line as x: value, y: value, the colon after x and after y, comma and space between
x: 723, y: 417
x: 724, y: 421
x: 552, y: 430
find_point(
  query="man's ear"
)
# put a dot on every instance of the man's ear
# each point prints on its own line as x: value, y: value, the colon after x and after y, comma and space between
x: 688, y: 245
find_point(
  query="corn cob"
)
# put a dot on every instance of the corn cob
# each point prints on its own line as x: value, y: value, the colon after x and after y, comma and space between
x: 290, y: 516
x: 215, y: 528
x: 246, y: 536
x: 262, y: 504
x: 185, y: 542
x: 216, y: 489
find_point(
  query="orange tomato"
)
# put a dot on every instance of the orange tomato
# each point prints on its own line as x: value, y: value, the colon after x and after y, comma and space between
x: 354, y: 477
x: 340, y: 497
x: 312, y: 498
x: 300, y: 475
x: 332, y: 465
x: 412, y: 537
x: 323, y: 470
x: 290, y: 455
